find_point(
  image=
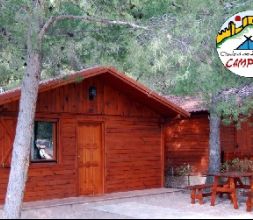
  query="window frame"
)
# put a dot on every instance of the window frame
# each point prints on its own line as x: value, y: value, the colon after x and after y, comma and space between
x: 55, y: 123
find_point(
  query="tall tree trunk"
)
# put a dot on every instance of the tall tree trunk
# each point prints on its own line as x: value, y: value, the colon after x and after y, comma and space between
x: 29, y: 93
x: 214, y: 146
x: 22, y: 142
x: 27, y: 107
x: 214, y: 143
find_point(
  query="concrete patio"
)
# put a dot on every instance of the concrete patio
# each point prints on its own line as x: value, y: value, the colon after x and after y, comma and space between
x: 146, y: 204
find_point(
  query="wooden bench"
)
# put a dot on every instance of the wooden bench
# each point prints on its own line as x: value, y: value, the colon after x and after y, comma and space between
x: 197, y: 192
x: 249, y: 202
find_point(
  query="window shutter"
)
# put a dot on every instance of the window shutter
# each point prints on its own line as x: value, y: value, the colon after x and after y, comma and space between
x: 7, y: 134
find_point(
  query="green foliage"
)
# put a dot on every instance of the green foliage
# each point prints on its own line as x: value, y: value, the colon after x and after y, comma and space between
x: 79, y: 79
x: 237, y: 165
x: 69, y: 44
x: 181, y: 57
x: 190, y: 59
x: 176, y: 55
x: 12, y: 47
x: 183, y: 170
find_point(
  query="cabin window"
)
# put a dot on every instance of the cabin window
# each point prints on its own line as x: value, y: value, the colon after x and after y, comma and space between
x: 44, y: 142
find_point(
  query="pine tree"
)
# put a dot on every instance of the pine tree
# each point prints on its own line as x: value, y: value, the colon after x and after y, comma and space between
x: 28, y: 28
x: 184, y: 61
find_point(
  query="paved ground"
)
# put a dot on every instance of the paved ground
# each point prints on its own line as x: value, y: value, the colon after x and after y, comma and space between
x: 150, y: 204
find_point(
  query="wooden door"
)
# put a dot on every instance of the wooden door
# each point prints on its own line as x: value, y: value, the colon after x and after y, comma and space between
x: 90, y: 159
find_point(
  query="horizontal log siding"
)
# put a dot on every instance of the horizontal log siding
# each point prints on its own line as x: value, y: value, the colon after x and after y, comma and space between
x: 186, y: 141
x: 51, y: 180
x: 133, y: 155
x: 132, y: 141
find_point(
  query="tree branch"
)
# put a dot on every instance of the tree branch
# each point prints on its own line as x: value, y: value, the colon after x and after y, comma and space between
x: 55, y: 19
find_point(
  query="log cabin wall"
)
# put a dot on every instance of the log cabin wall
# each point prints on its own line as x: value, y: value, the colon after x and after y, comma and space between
x: 132, y: 141
x: 228, y: 142
x: 187, y: 142
x: 133, y: 158
x: 239, y: 141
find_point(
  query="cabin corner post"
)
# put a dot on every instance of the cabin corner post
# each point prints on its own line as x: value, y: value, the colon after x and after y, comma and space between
x: 163, y: 125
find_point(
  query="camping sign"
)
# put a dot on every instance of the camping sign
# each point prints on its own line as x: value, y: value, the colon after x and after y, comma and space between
x: 235, y: 44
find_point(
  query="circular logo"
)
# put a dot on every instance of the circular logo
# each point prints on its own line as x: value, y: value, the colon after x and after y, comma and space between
x: 235, y: 44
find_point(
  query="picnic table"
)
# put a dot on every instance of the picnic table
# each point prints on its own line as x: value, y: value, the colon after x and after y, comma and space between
x: 234, y: 182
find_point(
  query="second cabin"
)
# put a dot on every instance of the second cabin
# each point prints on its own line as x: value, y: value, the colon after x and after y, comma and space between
x: 187, y: 140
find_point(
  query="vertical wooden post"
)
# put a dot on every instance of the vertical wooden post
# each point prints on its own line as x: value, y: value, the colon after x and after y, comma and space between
x: 214, y: 190
x: 162, y: 155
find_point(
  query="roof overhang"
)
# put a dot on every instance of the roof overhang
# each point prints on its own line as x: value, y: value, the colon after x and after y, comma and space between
x: 116, y: 79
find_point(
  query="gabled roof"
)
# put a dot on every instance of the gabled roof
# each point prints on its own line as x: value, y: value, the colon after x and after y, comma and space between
x: 117, y: 79
x: 189, y: 103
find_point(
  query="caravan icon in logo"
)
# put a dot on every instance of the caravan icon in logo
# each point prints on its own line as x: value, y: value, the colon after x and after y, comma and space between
x: 235, y: 44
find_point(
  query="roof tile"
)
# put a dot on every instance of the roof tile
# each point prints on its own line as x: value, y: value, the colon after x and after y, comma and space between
x: 189, y: 103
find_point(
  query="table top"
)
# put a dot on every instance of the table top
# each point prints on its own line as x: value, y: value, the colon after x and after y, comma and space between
x: 231, y: 174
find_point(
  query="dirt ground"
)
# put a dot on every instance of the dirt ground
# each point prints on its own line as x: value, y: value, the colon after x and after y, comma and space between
x: 160, y: 205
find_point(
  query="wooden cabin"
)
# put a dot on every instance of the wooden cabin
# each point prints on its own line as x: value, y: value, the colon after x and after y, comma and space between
x: 96, y: 131
x: 187, y: 140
